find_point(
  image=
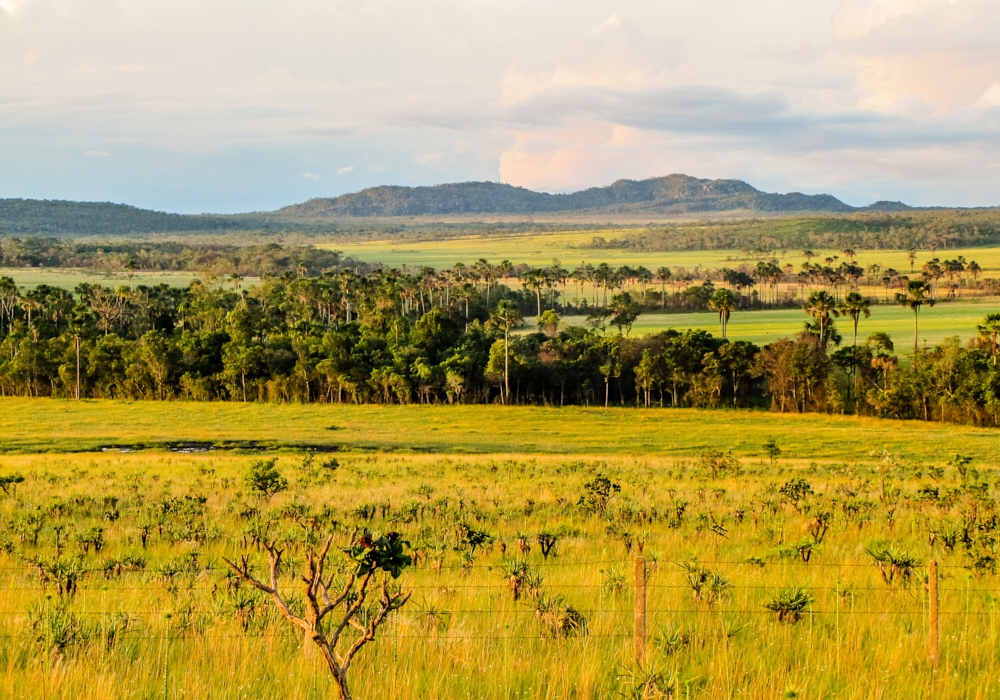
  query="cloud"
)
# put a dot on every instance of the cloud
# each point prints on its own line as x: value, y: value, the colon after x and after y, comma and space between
x: 944, y: 52
x: 345, y: 170
x: 990, y: 98
x: 614, y: 53
x: 97, y: 154
x: 311, y: 176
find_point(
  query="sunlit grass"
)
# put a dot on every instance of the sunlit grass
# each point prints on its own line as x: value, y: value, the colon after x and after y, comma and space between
x: 859, y: 639
x: 63, y: 425
x: 571, y: 250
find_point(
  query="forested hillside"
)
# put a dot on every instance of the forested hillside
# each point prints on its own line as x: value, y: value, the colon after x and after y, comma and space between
x: 673, y: 194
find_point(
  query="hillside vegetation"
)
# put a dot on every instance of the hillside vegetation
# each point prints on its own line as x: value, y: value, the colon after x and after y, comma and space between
x: 673, y: 194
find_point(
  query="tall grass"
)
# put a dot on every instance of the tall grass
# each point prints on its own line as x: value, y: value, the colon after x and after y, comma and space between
x: 462, y: 634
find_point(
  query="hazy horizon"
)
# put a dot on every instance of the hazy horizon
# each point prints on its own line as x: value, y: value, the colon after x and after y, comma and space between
x: 226, y: 106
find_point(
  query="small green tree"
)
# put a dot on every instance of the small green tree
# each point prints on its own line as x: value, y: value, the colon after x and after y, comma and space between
x: 772, y: 450
x: 264, y: 479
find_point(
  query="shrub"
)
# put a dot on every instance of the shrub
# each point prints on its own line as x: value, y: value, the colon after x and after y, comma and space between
x: 264, y: 479
x: 790, y: 604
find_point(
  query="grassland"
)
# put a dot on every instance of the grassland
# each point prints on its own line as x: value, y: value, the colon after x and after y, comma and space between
x: 163, y: 620
x: 68, y: 278
x: 958, y: 318
x: 53, y: 425
x: 570, y: 248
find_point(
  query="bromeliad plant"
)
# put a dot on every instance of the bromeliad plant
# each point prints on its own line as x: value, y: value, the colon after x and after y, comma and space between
x: 341, y: 615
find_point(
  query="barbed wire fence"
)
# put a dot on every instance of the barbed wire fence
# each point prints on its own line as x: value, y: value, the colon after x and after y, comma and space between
x: 655, y: 603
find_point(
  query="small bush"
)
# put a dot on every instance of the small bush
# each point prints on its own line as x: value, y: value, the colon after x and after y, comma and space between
x: 790, y: 604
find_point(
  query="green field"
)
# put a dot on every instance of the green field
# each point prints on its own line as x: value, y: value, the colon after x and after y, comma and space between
x: 569, y: 248
x: 111, y: 563
x: 31, y: 277
x: 53, y: 425
x: 959, y: 318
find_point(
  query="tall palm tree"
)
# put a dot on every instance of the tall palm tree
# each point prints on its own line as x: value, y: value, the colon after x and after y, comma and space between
x: 990, y: 330
x: 662, y: 275
x: 506, y: 316
x: 917, y: 294
x: 723, y: 301
x: 855, y: 306
x: 822, y: 306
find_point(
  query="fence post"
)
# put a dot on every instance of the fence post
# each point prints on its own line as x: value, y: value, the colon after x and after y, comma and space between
x: 932, y: 589
x: 640, y: 610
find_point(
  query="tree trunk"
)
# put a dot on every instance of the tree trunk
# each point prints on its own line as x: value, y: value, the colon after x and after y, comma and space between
x: 506, y: 363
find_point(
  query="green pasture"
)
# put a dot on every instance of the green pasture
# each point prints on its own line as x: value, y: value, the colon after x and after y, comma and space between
x: 68, y: 278
x: 570, y: 249
x: 59, y: 425
x: 945, y: 320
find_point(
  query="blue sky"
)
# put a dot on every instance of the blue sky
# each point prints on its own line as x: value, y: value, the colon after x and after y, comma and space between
x: 242, y: 105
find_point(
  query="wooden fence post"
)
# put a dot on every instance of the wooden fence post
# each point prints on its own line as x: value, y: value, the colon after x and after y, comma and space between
x: 932, y: 589
x: 640, y: 610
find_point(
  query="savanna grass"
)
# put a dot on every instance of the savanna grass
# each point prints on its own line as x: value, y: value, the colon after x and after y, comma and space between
x: 189, y: 633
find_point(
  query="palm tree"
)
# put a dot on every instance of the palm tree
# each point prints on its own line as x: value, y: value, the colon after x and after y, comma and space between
x: 990, y: 330
x: 662, y: 275
x: 916, y: 295
x: 723, y: 301
x: 506, y: 316
x: 822, y: 306
x: 854, y: 306
x: 535, y: 279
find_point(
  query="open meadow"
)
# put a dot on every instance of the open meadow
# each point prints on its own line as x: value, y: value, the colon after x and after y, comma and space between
x: 945, y: 320
x: 796, y: 569
x: 69, y: 278
x: 572, y: 249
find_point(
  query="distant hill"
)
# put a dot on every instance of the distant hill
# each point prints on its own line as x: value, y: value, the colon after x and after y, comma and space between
x: 673, y: 195
x: 42, y: 217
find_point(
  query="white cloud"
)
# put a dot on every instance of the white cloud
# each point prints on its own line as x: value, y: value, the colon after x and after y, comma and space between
x: 97, y: 154
x: 990, y: 98
x: 345, y: 170
x: 312, y: 176
x: 614, y: 53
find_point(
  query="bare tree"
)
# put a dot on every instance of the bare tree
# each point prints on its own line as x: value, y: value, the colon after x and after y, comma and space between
x: 343, y: 635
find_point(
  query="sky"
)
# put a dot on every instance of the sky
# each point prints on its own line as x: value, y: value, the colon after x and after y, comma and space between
x: 249, y: 105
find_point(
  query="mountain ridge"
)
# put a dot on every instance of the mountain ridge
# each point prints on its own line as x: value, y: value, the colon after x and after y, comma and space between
x: 669, y: 196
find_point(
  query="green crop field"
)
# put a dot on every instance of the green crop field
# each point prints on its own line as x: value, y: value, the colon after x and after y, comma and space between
x: 795, y: 574
x: 957, y: 318
x: 570, y: 249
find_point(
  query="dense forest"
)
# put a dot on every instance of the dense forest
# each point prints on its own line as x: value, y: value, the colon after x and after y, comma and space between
x: 386, y: 336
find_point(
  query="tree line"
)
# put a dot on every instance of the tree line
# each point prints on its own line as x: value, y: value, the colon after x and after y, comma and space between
x: 936, y: 229
x: 384, y: 337
x: 135, y: 256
